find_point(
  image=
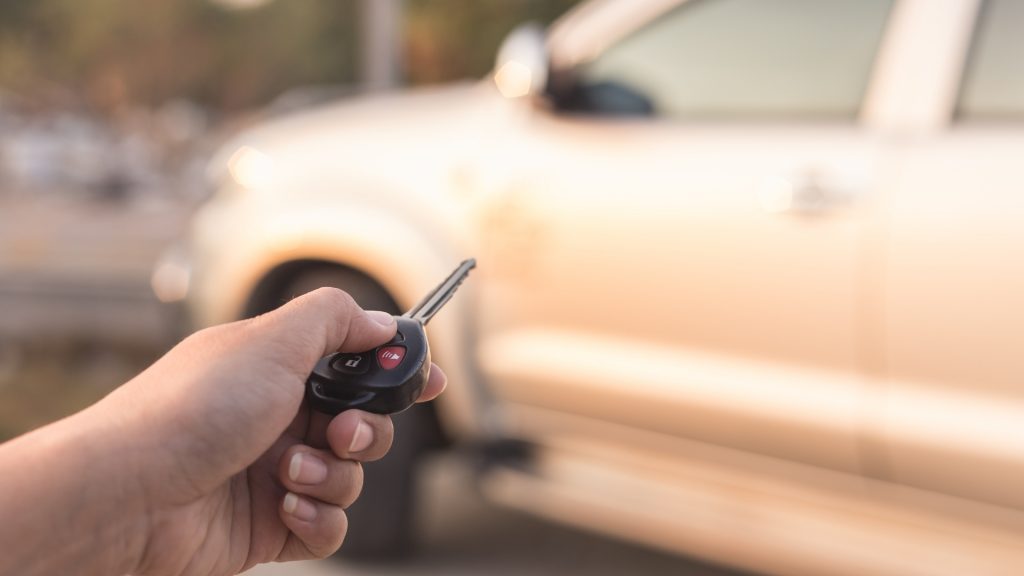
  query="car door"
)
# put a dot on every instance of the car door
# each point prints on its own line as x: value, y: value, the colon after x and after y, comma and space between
x: 698, y: 270
x: 954, y: 276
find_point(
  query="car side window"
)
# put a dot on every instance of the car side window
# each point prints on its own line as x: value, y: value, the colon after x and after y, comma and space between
x: 741, y: 59
x: 993, y: 82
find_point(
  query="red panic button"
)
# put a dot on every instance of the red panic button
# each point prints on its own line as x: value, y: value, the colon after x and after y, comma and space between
x: 389, y: 358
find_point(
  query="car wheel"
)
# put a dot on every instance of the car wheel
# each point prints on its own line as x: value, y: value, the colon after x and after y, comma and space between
x: 382, y: 520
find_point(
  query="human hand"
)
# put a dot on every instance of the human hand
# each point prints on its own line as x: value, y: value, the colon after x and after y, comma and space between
x: 232, y: 467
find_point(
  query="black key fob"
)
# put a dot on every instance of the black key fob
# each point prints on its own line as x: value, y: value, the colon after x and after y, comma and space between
x: 389, y: 378
x: 385, y: 380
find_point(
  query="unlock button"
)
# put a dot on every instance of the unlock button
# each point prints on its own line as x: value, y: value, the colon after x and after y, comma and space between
x: 351, y: 363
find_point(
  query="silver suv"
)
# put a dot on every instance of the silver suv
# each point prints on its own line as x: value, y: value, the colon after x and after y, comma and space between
x: 750, y: 274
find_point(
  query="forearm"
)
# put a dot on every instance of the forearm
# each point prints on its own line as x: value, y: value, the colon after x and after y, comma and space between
x: 67, y: 501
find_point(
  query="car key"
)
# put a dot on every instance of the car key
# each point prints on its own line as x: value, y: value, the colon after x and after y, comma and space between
x: 389, y: 378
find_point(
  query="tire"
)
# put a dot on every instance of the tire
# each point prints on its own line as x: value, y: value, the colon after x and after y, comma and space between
x: 382, y: 521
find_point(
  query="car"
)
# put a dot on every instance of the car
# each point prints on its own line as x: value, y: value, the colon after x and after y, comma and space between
x: 749, y: 283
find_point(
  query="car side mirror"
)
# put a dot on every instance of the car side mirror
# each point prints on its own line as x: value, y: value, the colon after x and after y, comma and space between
x: 522, y: 66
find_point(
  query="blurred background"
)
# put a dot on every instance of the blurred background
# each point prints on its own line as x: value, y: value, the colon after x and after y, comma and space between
x: 749, y: 270
x: 109, y: 113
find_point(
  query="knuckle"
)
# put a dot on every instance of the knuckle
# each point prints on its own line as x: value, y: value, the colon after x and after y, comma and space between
x: 330, y: 540
x: 330, y: 548
x: 387, y: 433
x: 342, y: 531
x: 323, y: 551
x: 352, y: 484
x: 334, y: 298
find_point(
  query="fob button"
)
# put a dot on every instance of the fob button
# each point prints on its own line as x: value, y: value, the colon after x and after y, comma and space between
x: 399, y: 337
x: 351, y: 363
x: 390, y: 357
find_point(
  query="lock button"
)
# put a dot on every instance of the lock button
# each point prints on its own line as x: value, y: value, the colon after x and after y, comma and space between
x: 390, y: 357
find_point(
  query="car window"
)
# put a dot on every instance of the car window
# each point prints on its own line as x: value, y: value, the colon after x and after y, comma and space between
x: 722, y: 59
x: 993, y: 84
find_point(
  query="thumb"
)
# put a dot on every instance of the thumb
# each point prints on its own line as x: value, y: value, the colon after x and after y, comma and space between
x: 334, y: 321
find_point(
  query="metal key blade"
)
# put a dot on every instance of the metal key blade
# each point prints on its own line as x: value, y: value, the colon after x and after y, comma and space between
x: 439, y: 296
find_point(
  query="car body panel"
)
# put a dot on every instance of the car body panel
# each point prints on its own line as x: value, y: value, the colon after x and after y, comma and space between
x: 954, y: 269
x: 768, y: 515
x: 655, y: 287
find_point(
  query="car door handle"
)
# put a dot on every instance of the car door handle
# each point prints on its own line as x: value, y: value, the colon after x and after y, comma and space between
x: 805, y: 196
x: 813, y: 198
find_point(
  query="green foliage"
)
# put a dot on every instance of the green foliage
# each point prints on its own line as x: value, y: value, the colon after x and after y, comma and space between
x: 109, y: 53
x: 117, y: 51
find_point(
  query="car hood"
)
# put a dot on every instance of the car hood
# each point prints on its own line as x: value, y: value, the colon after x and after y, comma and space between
x: 377, y: 136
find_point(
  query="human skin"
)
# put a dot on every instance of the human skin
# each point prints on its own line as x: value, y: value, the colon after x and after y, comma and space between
x: 208, y: 462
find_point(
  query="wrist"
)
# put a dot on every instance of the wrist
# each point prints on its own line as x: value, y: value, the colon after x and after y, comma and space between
x: 109, y: 451
x: 69, y: 504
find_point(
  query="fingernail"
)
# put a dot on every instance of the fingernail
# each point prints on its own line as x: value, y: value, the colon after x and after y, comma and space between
x: 299, y: 507
x: 382, y: 318
x: 362, y: 439
x: 307, y: 469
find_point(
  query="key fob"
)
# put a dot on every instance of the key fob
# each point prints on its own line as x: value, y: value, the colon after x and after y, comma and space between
x: 385, y: 380
x: 389, y: 378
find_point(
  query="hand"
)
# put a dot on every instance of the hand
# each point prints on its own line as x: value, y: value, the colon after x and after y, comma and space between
x: 232, y: 467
